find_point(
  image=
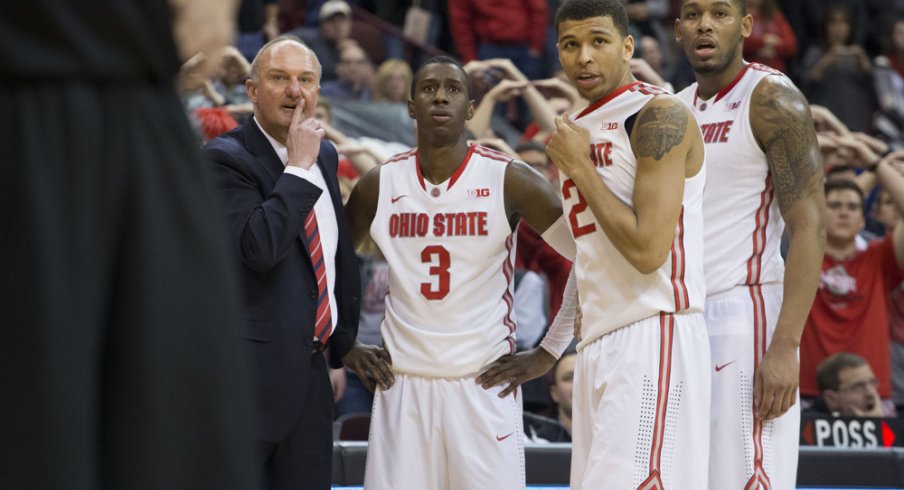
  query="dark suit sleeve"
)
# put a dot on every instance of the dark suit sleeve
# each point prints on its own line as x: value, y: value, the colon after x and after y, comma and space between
x: 264, y: 224
x: 348, y: 276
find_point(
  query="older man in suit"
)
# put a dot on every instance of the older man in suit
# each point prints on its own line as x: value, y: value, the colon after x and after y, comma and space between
x: 277, y: 179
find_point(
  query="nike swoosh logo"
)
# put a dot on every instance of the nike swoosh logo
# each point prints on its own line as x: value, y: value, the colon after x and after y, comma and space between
x: 394, y: 199
x: 719, y: 368
x: 500, y: 439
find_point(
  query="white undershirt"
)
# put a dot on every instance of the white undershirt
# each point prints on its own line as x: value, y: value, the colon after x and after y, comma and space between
x: 326, y: 216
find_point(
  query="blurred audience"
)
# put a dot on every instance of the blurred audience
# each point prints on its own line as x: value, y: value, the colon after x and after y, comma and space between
x: 509, y: 29
x: 256, y: 25
x: 850, y: 311
x: 333, y: 31
x: 392, y: 82
x: 771, y: 42
x: 355, y: 75
x: 838, y: 66
x: 889, y: 85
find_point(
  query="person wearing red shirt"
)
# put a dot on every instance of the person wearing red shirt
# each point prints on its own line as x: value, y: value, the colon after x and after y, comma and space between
x: 513, y: 29
x: 850, y: 311
x: 771, y: 42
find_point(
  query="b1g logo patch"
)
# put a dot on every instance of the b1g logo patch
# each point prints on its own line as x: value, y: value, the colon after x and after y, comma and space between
x: 478, y: 193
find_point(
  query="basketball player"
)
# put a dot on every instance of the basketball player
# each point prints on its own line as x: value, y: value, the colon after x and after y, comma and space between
x: 764, y: 171
x: 444, y: 214
x: 633, y: 166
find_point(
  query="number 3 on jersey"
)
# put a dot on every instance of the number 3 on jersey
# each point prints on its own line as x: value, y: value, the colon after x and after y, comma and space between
x: 579, y: 207
x: 438, y: 257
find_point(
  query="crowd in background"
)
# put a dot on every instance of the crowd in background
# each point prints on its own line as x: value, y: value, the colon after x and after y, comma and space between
x: 847, y: 56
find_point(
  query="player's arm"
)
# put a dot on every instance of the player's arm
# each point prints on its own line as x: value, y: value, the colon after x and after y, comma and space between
x: 362, y: 205
x: 663, y: 139
x: 783, y: 127
x: 530, y: 196
x: 367, y: 361
x: 521, y: 367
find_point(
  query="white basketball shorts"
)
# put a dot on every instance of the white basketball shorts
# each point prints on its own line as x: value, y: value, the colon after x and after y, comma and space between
x: 746, y: 454
x: 444, y: 434
x: 641, y: 407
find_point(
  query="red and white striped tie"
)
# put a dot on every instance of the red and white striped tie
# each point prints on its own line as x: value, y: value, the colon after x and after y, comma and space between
x: 323, y: 324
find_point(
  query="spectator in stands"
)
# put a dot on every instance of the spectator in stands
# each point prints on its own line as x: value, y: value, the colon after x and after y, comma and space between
x: 850, y: 311
x: 771, y: 41
x: 847, y: 387
x: 651, y: 52
x: 507, y: 82
x: 542, y: 429
x: 229, y: 81
x: 398, y: 12
x: 334, y: 30
x: 560, y: 392
x: 645, y: 18
x: 889, y: 79
x: 508, y: 29
x: 355, y: 75
x: 256, y: 25
x: 392, y: 81
x: 837, y: 66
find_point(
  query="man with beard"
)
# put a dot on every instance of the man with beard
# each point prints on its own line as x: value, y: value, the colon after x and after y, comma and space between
x: 765, y: 171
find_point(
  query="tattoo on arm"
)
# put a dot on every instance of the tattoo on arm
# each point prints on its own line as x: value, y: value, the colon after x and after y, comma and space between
x: 659, y: 129
x: 789, y: 141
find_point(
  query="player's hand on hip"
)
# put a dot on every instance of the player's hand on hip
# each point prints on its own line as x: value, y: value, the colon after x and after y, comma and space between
x: 370, y: 362
x: 569, y: 146
x: 516, y: 369
x: 776, y: 381
x: 303, y: 140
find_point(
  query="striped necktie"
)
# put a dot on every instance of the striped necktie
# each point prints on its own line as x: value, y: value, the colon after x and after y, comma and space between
x: 323, y: 324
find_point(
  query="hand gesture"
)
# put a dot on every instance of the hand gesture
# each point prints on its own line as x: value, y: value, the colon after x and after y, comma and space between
x: 857, y: 150
x: 825, y: 121
x: 508, y: 69
x: 558, y: 86
x: 370, y: 362
x: 569, y: 147
x: 775, y: 382
x: 506, y: 90
x: 516, y: 369
x: 303, y: 139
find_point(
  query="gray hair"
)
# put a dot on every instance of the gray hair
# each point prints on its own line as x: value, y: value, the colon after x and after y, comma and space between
x: 255, y: 64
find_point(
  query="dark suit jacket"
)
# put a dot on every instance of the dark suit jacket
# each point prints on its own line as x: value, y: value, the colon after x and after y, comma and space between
x: 266, y: 210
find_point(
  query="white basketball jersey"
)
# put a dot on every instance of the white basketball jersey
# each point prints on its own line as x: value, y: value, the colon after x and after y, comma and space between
x: 743, y: 223
x: 450, y: 250
x: 612, y: 292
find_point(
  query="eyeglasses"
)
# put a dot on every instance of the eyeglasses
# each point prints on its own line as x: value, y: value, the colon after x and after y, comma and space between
x: 860, y: 386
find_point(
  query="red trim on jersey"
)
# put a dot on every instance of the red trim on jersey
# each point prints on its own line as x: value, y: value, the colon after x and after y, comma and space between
x: 596, y: 105
x: 420, y: 176
x: 460, y: 169
x: 666, y: 336
x: 452, y: 179
x: 755, y: 262
x: 679, y: 287
x: 401, y: 156
x: 492, y: 154
x: 508, y: 271
x: 759, y: 479
x: 725, y: 89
